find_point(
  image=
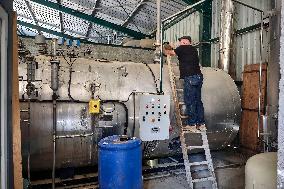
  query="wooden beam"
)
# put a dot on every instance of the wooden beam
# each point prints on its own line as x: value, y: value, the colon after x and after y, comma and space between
x: 17, y: 155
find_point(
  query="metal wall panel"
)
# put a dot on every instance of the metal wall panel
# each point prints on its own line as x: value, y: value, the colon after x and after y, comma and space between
x: 187, y: 26
x: 247, y: 46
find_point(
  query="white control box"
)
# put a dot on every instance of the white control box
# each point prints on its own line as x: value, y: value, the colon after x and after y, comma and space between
x: 154, y: 117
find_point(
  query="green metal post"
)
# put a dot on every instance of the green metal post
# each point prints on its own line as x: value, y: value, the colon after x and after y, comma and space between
x: 205, y: 33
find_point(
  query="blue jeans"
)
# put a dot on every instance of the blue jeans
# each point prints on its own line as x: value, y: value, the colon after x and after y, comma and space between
x: 192, y: 99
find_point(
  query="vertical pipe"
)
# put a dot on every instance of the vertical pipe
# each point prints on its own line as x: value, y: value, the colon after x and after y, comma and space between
x: 29, y: 150
x: 161, y: 61
x: 134, y: 115
x: 158, y: 33
x: 226, y: 34
x: 54, y: 47
x: 54, y: 87
x: 260, y: 76
x: 54, y: 139
x: 159, y: 45
x: 265, y: 133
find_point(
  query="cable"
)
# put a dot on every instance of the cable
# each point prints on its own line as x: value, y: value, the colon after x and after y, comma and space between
x: 70, y: 77
x: 153, y: 75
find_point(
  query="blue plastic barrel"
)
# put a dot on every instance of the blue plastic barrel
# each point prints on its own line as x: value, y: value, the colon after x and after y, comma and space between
x: 120, y: 163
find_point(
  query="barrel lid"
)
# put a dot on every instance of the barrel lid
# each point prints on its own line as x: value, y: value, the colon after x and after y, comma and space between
x: 119, y: 142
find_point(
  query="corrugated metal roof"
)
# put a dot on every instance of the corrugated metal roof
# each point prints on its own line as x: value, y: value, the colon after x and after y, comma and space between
x: 119, y: 12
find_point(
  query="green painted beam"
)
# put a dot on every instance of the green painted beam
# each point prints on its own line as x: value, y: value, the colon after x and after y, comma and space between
x: 179, y: 18
x: 59, y: 34
x: 205, y: 33
x: 190, y: 2
x: 90, y: 18
x: 243, y: 31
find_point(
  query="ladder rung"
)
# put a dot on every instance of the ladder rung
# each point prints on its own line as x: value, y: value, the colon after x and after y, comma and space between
x: 188, y: 129
x: 181, y: 103
x: 199, y: 163
x: 183, y: 117
x: 195, y: 147
x: 203, y: 179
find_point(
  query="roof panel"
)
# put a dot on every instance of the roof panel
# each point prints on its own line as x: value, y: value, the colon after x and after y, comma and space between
x: 22, y: 9
x: 45, y: 14
x: 114, y: 11
x: 75, y: 24
x: 84, y: 6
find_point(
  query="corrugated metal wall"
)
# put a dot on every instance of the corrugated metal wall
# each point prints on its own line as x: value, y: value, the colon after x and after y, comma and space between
x: 247, y: 46
x: 187, y: 26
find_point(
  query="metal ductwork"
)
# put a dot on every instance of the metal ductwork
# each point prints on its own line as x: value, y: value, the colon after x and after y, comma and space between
x: 226, y: 34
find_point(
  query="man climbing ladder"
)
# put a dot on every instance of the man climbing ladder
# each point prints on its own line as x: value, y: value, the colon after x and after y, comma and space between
x: 193, y: 80
x: 195, y: 124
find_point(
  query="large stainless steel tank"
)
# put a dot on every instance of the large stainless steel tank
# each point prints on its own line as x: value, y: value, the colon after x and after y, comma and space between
x: 119, y: 86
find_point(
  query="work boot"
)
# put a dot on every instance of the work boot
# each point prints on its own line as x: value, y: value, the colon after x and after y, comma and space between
x: 201, y: 127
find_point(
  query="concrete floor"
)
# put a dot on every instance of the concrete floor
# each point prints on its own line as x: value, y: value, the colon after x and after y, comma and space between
x: 229, y: 168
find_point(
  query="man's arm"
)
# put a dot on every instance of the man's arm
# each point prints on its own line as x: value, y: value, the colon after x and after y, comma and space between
x: 168, y: 50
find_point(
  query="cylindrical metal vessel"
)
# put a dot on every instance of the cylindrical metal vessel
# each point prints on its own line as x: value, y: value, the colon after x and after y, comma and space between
x: 119, y: 86
x: 120, y: 163
x: 261, y: 171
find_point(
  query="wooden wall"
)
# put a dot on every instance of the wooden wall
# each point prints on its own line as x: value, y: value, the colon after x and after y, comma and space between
x: 249, y: 123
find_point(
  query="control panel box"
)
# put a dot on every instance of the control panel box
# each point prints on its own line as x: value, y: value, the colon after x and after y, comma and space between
x: 154, y: 117
x: 94, y: 106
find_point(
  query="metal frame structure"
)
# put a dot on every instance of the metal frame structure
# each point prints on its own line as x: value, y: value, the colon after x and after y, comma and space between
x: 95, y: 18
x: 260, y: 63
x: 90, y: 18
x: 97, y: 2
x: 132, y: 14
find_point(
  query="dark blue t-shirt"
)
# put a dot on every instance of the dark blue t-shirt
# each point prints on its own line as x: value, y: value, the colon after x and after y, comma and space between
x: 188, y: 60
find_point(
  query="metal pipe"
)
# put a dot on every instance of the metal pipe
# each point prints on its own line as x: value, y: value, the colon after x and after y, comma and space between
x: 54, y: 87
x: 74, y: 136
x: 29, y: 136
x: 54, y: 139
x: 161, y: 60
x: 226, y: 34
x: 158, y: 33
x: 184, y: 10
x: 265, y: 133
x: 260, y: 76
x: 54, y: 74
x: 54, y: 47
x: 159, y: 44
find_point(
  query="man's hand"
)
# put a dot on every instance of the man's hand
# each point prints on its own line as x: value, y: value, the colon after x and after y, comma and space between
x: 168, y: 47
x: 169, y: 52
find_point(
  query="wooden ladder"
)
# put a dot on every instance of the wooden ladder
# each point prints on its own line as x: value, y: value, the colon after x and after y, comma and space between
x: 187, y: 130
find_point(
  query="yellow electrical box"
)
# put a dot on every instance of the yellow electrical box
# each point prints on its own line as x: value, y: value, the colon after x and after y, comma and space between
x: 94, y: 106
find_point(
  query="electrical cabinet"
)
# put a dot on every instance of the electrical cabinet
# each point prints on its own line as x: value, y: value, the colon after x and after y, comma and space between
x: 154, y: 117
